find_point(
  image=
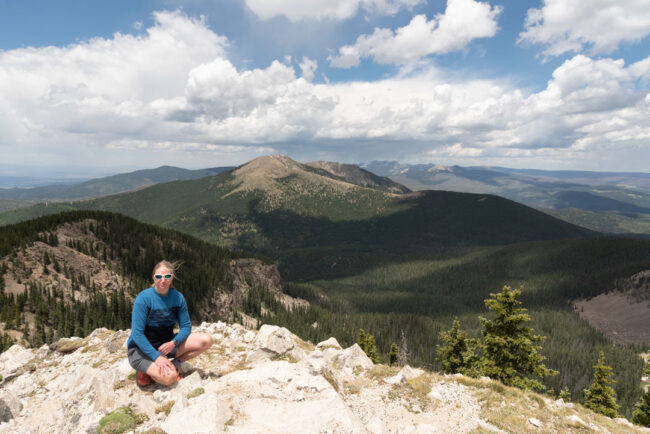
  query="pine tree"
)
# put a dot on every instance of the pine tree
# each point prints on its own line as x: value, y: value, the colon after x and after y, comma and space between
x: 600, y: 397
x: 363, y: 340
x: 641, y: 415
x: 371, y: 349
x: 510, y: 350
x: 565, y: 395
x: 368, y: 345
x: 392, y: 354
x: 457, y: 354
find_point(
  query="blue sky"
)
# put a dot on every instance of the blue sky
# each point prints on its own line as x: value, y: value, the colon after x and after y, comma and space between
x: 96, y: 87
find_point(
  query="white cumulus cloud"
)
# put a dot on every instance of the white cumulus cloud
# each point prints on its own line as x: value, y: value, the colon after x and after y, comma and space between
x: 462, y: 22
x: 308, y: 67
x: 597, y: 25
x: 173, y: 92
x: 297, y: 10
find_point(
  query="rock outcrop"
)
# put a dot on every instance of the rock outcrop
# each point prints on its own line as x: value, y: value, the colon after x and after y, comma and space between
x: 266, y: 381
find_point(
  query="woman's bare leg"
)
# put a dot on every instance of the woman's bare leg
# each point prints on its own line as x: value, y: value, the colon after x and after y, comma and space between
x: 195, y: 344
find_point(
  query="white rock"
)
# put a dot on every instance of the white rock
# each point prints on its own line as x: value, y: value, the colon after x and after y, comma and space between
x: 330, y: 355
x: 575, y: 419
x: 410, y: 373
x: 535, y: 422
x: 249, y: 336
x: 314, y: 364
x: 396, y: 379
x: 313, y: 416
x: 161, y: 395
x: 435, y: 395
x: 623, y: 421
x: 184, y: 387
x: 123, y: 368
x: 13, y: 359
x: 329, y: 343
x: 12, y: 401
x: 103, y: 385
x: 275, y: 339
x: 355, y: 357
x: 259, y: 356
x: 488, y: 426
x: 375, y: 426
x: 43, y: 351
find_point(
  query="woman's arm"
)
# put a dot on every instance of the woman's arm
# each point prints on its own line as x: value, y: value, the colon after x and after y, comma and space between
x: 185, y: 325
x: 138, y: 324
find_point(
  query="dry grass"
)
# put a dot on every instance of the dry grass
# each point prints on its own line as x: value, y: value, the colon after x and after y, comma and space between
x: 509, y: 409
x: 165, y: 408
x: 305, y: 346
x: 196, y: 392
x: 379, y: 372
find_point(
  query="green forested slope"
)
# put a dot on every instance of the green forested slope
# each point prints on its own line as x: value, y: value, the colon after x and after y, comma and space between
x: 128, y: 247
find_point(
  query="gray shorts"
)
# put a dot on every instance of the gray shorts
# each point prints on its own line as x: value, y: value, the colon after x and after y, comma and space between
x: 139, y: 360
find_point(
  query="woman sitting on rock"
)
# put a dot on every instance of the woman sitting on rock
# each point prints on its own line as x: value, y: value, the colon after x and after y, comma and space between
x: 152, y: 342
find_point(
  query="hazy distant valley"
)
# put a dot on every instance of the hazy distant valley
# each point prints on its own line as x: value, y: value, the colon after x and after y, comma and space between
x: 365, y: 251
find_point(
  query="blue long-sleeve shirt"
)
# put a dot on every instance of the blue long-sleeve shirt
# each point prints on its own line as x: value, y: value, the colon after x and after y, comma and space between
x: 153, y: 320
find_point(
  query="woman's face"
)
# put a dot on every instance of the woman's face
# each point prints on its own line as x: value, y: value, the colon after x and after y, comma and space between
x: 160, y: 280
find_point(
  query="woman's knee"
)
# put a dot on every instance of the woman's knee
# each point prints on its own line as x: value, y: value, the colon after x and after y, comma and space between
x: 206, y: 341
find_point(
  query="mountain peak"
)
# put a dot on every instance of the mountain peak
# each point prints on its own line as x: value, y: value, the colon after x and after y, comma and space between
x: 263, y: 172
x: 359, y: 176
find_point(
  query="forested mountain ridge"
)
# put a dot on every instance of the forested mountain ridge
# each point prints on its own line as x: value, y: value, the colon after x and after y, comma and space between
x: 602, y: 201
x: 359, y: 176
x: 15, y: 197
x: 275, y: 202
x: 67, y: 274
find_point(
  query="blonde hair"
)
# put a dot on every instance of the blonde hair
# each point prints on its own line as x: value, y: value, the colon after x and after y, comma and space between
x: 167, y: 264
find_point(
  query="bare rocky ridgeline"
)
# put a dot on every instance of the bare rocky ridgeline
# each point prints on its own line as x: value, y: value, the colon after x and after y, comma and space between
x: 260, y: 382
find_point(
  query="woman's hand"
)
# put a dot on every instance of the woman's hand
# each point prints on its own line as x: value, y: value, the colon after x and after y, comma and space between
x: 164, y: 365
x: 166, y: 348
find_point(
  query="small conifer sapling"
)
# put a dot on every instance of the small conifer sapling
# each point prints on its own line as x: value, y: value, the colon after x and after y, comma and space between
x: 600, y: 397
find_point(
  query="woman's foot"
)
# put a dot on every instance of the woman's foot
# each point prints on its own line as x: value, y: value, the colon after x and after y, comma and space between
x: 142, y: 379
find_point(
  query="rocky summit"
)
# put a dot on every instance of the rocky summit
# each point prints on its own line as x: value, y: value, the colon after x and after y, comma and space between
x: 266, y: 381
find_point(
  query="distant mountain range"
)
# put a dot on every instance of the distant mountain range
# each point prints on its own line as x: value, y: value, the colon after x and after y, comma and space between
x: 608, y: 202
x: 275, y: 202
x: 602, y: 201
x: 104, y: 186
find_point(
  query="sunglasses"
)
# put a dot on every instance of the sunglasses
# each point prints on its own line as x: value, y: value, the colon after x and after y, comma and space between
x: 160, y: 276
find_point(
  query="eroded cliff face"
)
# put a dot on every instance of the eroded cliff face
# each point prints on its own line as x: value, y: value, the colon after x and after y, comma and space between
x: 80, y: 264
x: 247, y: 273
x: 258, y: 382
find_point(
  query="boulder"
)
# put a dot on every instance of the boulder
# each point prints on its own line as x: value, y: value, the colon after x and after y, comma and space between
x: 623, y: 421
x: 574, y: 419
x: 11, y: 401
x: 5, y: 412
x: 329, y: 343
x: 13, y: 359
x: 274, y: 339
x: 205, y: 415
x: 535, y: 422
x: 355, y: 357
x: 68, y: 345
x: 409, y: 373
x: 116, y: 341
